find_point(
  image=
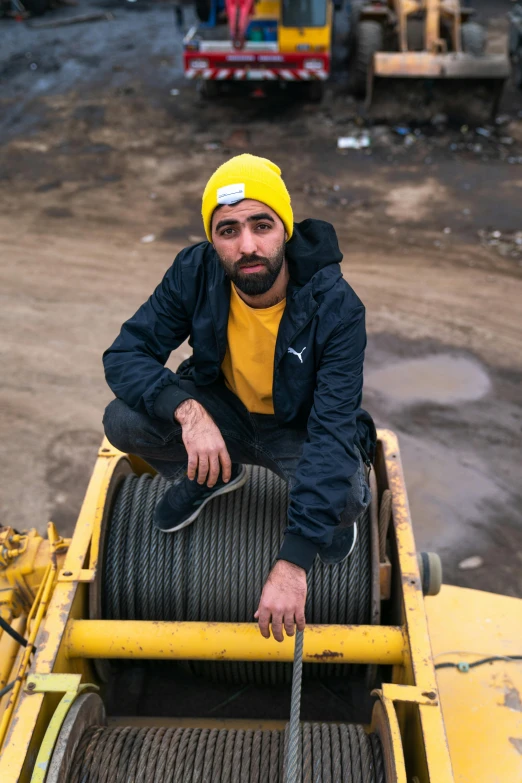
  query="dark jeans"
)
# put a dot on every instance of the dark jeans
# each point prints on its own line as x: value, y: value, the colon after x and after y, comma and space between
x: 251, y: 439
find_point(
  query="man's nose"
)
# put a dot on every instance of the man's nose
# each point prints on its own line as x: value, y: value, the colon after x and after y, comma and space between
x: 248, y: 244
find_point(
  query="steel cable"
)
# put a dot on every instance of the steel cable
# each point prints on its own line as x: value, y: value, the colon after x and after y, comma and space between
x: 385, y: 512
x: 215, y: 569
x: 331, y: 754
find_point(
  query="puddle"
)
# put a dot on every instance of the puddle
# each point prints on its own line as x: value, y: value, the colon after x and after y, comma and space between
x: 449, y: 493
x: 440, y: 378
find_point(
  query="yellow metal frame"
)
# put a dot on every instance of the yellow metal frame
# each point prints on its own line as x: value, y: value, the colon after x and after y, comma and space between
x: 193, y: 641
x: 70, y: 686
x: 408, y: 714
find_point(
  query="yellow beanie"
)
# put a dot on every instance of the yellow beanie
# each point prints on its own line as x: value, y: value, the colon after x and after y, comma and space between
x: 247, y: 176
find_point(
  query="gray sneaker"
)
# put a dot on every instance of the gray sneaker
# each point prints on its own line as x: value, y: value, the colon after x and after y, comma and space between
x: 185, y: 500
x: 342, y: 546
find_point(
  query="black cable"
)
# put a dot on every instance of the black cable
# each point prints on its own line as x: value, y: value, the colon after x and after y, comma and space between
x: 464, y: 666
x: 11, y: 631
x: 7, y: 688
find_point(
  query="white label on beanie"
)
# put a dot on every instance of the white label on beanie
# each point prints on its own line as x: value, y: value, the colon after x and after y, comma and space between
x: 230, y: 194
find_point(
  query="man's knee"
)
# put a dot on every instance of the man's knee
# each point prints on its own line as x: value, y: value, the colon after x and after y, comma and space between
x: 120, y: 424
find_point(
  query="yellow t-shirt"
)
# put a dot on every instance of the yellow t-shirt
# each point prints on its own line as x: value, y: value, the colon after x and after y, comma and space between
x: 248, y: 365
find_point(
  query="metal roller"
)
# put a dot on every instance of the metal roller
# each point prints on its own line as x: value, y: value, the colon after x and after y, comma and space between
x: 214, y: 570
x: 88, y: 751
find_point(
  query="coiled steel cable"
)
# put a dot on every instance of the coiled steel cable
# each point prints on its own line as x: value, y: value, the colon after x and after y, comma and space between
x: 215, y: 569
x: 331, y: 754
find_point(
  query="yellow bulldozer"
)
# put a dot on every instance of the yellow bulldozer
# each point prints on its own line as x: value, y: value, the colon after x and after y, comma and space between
x: 416, y: 58
x: 131, y: 655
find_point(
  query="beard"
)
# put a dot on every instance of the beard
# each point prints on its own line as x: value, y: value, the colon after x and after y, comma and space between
x: 254, y: 283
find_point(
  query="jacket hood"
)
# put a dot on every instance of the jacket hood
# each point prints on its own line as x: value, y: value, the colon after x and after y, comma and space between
x: 313, y: 247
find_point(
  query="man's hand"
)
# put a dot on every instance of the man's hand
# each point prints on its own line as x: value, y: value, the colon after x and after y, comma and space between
x: 204, y: 443
x: 283, y: 600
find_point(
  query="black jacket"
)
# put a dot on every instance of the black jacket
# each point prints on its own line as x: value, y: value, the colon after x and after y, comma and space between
x: 322, y: 394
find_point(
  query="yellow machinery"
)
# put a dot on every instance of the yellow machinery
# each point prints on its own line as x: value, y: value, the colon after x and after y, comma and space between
x: 430, y: 56
x: 82, y: 700
x: 276, y: 42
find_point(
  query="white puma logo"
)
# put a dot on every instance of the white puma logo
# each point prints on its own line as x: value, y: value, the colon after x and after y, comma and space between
x: 300, y: 355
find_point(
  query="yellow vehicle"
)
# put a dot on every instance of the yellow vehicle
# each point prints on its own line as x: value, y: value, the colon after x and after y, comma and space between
x: 269, y: 41
x: 428, y: 56
x: 379, y: 702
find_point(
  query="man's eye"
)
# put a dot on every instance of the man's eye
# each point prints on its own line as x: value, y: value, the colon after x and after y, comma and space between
x: 263, y: 225
x: 227, y: 232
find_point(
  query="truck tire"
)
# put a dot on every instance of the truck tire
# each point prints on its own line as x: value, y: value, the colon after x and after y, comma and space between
x: 369, y: 38
x: 473, y: 37
x: 314, y: 91
x: 203, y: 8
x: 36, y: 7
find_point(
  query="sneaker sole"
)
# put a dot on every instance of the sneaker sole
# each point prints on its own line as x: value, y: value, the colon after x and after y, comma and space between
x: 347, y: 555
x: 230, y: 487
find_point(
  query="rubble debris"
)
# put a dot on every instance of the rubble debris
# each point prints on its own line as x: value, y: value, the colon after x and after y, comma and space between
x: 470, y: 563
x: 439, y: 119
x: 359, y: 142
x: 507, y: 245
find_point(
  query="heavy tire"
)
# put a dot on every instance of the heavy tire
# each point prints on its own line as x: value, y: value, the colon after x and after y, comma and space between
x: 473, y: 37
x: 369, y: 38
x: 314, y: 92
x: 203, y: 8
x: 209, y: 89
x: 36, y: 7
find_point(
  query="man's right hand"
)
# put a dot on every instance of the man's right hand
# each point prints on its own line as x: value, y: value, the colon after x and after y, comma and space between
x: 206, y: 449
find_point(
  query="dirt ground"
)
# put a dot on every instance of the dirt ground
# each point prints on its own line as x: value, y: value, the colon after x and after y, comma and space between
x: 97, y: 154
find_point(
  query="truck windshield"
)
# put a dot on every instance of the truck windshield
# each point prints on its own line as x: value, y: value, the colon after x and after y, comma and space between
x: 304, y: 13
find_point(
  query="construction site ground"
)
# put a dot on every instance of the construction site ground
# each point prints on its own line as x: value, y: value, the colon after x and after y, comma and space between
x: 105, y: 151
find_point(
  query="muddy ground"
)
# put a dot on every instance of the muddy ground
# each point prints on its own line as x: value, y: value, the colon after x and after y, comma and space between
x: 96, y: 154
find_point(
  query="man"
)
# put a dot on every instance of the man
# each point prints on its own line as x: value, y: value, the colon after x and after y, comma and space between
x: 275, y: 378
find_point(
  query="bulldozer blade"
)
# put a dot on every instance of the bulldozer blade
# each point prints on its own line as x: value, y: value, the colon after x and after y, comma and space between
x: 415, y: 86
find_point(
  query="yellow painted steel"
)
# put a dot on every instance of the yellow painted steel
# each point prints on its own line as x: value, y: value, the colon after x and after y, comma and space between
x: 69, y: 685
x: 8, y: 650
x: 432, y: 764
x: 38, y: 616
x: 53, y: 729
x: 482, y: 708
x: 230, y: 642
x: 33, y: 712
x: 309, y: 39
x: 418, y: 739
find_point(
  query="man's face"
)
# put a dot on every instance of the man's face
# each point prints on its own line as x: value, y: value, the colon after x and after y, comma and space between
x: 249, y: 239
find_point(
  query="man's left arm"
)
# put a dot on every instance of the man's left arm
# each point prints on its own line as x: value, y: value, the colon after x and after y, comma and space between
x: 329, y: 459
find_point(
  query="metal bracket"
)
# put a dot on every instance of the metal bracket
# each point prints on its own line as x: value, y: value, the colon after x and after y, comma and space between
x: 53, y: 683
x: 410, y: 693
x: 80, y: 575
x: 71, y: 687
